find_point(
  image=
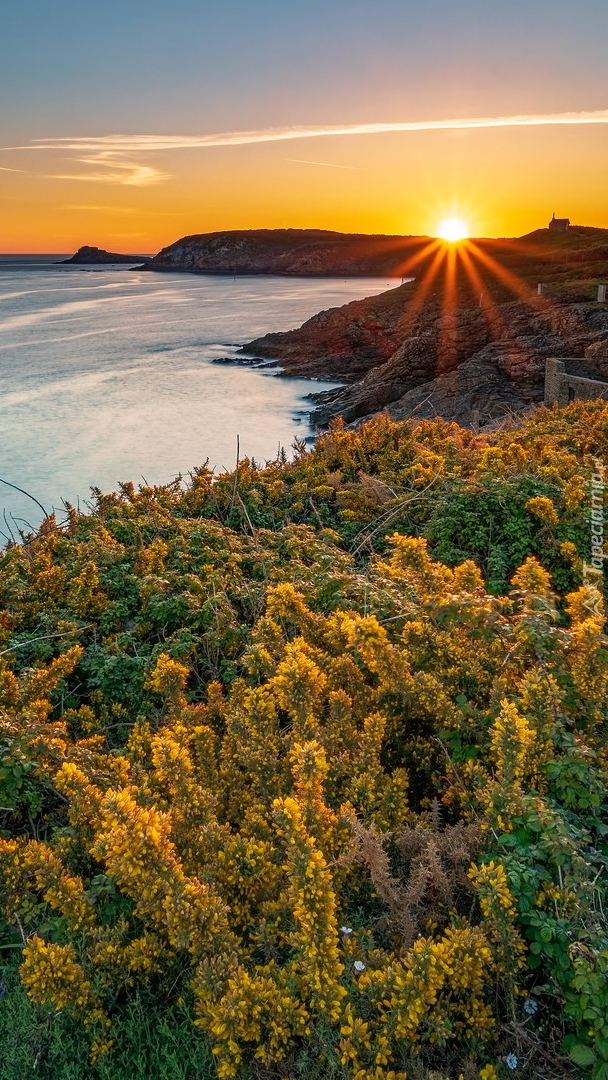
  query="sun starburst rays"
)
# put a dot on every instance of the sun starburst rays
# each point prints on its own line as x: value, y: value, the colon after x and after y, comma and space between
x: 454, y: 273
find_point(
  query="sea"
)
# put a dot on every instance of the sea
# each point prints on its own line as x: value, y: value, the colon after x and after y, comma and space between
x: 110, y: 374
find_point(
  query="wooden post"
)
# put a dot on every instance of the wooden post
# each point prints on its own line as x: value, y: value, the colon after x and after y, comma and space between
x: 601, y: 294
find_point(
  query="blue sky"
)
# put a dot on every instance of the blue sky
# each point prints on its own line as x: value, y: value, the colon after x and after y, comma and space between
x: 67, y: 65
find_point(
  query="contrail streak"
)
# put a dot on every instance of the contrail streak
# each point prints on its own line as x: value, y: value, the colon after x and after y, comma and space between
x: 108, y: 150
x: 151, y: 143
x: 327, y: 164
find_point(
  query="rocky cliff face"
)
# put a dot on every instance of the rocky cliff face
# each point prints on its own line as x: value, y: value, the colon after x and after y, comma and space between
x: 468, y: 362
x: 289, y: 251
x: 459, y: 344
x: 347, y: 341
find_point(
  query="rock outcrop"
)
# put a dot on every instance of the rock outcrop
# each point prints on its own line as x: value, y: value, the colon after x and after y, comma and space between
x: 596, y: 355
x: 475, y: 392
x: 92, y: 256
x: 472, y: 363
x: 341, y: 343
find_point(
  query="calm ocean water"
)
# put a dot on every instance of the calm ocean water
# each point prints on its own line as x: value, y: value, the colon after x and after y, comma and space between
x: 108, y: 375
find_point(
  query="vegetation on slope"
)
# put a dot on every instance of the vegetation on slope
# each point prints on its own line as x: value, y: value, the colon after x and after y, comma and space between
x: 313, y: 756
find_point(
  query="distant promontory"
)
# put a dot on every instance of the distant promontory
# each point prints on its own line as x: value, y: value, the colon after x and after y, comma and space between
x: 91, y: 256
x: 297, y: 252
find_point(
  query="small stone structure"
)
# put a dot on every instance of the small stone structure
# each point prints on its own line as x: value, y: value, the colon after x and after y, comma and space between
x: 559, y: 224
x: 560, y: 387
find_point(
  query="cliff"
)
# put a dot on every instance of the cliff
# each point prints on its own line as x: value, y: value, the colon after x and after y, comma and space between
x: 289, y: 251
x: 90, y: 256
x: 470, y: 333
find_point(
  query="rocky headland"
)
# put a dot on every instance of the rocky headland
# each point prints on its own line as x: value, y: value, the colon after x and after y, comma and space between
x: 303, y: 252
x: 92, y: 256
x: 467, y: 339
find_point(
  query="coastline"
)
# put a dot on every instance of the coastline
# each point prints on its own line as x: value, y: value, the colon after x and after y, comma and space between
x: 466, y: 346
x: 121, y: 367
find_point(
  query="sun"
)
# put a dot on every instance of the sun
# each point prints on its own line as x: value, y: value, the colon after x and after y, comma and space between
x: 453, y: 229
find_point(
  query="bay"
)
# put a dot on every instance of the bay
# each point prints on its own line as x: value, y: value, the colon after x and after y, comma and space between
x: 107, y: 374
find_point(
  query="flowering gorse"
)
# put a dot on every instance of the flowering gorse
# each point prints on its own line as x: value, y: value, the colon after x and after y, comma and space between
x: 293, y: 791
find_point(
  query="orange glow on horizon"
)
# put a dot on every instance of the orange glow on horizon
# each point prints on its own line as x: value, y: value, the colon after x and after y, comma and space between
x: 473, y: 176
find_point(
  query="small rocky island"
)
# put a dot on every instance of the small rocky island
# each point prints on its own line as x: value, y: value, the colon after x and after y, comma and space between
x: 93, y: 256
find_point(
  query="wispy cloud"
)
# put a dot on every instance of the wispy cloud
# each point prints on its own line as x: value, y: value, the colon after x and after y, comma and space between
x: 327, y: 164
x: 109, y: 150
x: 101, y: 209
x: 115, y: 171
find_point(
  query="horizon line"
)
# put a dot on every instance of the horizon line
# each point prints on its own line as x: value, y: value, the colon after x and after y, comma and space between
x: 284, y: 228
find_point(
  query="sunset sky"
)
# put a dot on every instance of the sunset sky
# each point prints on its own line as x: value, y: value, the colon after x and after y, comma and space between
x: 81, y: 85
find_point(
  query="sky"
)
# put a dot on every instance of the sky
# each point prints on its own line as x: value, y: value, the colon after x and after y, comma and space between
x: 128, y: 124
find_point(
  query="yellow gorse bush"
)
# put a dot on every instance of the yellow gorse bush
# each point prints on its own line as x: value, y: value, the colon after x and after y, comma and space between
x: 224, y: 828
x: 219, y: 815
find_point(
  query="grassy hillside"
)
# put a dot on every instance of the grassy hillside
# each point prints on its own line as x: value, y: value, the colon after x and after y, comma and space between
x: 303, y: 768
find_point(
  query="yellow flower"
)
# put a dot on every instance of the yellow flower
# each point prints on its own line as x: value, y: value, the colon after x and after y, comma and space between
x: 543, y: 508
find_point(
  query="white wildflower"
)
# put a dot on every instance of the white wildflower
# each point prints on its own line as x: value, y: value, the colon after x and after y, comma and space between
x: 359, y: 965
x: 511, y: 1061
x: 346, y: 930
x: 530, y: 1006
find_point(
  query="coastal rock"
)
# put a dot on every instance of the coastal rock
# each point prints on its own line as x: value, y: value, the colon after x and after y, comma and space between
x: 475, y: 392
x: 597, y: 354
x: 347, y: 341
x: 514, y: 351
x: 92, y: 256
x: 321, y: 253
